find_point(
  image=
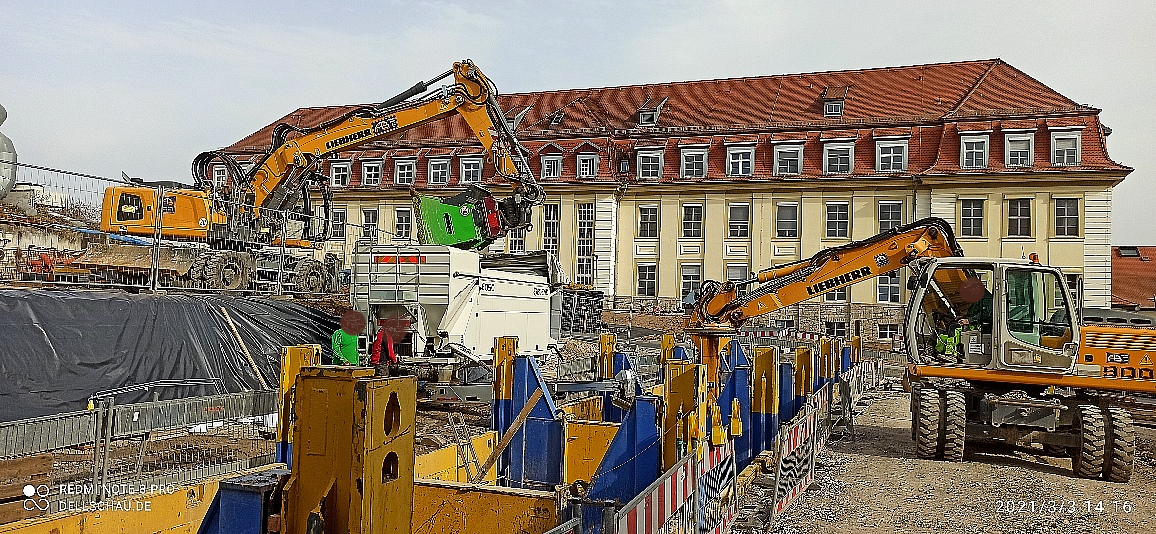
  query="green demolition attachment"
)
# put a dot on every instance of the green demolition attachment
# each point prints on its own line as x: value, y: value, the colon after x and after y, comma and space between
x: 469, y: 220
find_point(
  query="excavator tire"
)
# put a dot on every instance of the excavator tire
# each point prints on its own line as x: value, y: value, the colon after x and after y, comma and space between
x: 310, y: 277
x: 228, y: 270
x: 954, y: 425
x: 1121, y: 449
x: 930, y: 415
x: 1088, y: 459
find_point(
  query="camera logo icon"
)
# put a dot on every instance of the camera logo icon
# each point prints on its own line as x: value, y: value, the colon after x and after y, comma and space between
x: 37, y: 497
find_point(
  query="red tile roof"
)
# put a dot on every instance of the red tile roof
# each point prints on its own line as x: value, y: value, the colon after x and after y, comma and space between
x: 913, y: 100
x: 1134, y: 279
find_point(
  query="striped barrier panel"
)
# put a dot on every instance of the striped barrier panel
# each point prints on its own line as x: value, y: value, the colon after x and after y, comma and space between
x: 795, y: 450
x: 717, y: 489
x: 667, y: 502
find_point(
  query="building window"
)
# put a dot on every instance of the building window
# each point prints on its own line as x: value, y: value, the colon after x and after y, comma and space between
x: 891, y: 156
x: 973, y: 152
x: 650, y: 165
x: 888, y: 331
x: 740, y: 220
x: 551, y: 167
x: 736, y: 272
x: 1065, y: 149
x: 788, y: 160
x: 1067, y: 216
x: 838, y: 219
x: 551, y: 224
x: 833, y: 108
x: 471, y: 171
x: 648, y: 222
x: 837, y: 158
x: 337, y: 224
x: 339, y: 174
x: 692, y: 220
x: 403, y: 171
x: 584, y: 269
x: 517, y: 241
x: 787, y: 220
x: 889, y: 287
x: 1019, y: 219
x: 694, y: 163
x: 836, y: 295
x: 220, y: 176
x: 1073, y: 283
x: 371, y: 173
x: 740, y: 161
x: 587, y: 165
x: 785, y: 324
x: 647, y: 280
x: 369, y: 224
x: 890, y: 215
x: 647, y: 118
x: 691, y: 278
x: 971, y: 217
x: 402, y: 223
x: 836, y: 328
x: 439, y: 171
x: 1019, y: 151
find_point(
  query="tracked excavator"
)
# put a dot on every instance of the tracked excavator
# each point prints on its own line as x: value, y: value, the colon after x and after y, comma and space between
x: 245, y: 220
x: 995, y: 347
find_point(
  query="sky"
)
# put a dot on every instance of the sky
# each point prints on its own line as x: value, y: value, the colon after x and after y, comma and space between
x: 143, y: 87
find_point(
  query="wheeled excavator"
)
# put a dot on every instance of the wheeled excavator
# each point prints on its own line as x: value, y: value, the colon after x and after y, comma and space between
x: 250, y: 217
x: 995, y: 347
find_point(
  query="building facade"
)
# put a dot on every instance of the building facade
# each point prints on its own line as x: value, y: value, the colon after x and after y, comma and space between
x: 652, y: 189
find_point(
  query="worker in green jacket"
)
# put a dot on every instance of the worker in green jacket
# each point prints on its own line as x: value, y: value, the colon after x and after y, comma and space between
x: 344, y: 339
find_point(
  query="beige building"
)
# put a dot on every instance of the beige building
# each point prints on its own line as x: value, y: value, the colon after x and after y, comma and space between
x: 653, y: 188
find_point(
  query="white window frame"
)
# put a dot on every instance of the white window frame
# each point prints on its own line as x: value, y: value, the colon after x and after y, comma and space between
x: 647, y: 117
x: 398, y: 165
x: 964, y: 140
x: 879, y: 331
x: 1031, y: 223
x: 555, y: 159
x: 982, y: 216
x: 653, y: 281
x: 833, y: 108
x: 733, y: 152
x: 344, y: 167
x: 220, y: 176
x: 592, y: 161
x: 682, y: 288
x: 1007, y: 141
x: 517, y: 242
x: 650, y: 154
x: 701, y: 222
x: 640, y: 221
x: 1067, y: 134
x: 779, y: 149
x: 464, y: 173
x: 827, y: 218
x: 366, y: 165
x: 828, y: 147
x: 370, y: 231
x: 1056, y: 216
x: 879, y: 211
x: 551, y: 227
x: 692, y: 152
x: 880, y: 145
x: 398, y: 225
x: 778, y: 230
x: 744, y: 229
x: 839, y: 294
x: 835, y: 331
x: 880, y: 285
x: 436, y: 168
x: 334, y: 233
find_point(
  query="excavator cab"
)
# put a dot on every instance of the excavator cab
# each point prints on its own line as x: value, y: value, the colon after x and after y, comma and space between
x: 992, y: 314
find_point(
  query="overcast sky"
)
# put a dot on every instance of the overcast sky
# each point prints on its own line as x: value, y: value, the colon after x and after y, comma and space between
x: 142, y: 87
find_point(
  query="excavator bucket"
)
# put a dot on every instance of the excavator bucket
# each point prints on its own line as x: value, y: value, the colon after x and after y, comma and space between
x: 468, y: 220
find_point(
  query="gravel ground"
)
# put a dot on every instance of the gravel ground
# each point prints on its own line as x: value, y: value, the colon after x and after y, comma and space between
x: 874, y: 483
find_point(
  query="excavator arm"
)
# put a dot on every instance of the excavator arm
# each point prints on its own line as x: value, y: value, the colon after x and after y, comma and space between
x: 727, y: 305
x: 281, y: 178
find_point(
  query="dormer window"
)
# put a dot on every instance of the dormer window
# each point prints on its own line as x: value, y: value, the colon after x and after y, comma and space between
x: 833, y: 108
x: 557, y: 118
x: 647, y: 118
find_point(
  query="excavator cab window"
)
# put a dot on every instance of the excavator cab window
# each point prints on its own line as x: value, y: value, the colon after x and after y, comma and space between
x: 955, y: 315
x: 129, y: 207
x: 1037, y: 312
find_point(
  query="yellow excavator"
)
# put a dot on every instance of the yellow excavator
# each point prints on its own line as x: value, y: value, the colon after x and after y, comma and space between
x: 269, y: 205
x: 995, y: 347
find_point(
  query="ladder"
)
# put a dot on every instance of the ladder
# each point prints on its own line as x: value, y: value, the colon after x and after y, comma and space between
x: 469, y: 458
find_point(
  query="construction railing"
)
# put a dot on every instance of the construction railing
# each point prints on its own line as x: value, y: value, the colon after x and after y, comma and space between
x: 79, y: 459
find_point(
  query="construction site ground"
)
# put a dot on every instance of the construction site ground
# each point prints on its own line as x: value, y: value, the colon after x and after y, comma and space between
x: 875, y: 483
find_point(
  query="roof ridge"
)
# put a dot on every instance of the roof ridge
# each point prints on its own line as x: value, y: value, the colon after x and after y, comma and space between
x: 973, y: 88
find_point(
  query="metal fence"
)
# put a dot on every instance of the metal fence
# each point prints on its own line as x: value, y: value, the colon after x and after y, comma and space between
x: 83, y: 458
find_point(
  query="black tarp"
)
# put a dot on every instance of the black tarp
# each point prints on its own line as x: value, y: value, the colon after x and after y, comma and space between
x: 57, y: 348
